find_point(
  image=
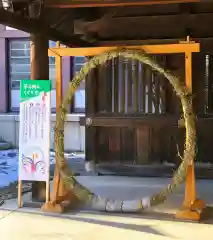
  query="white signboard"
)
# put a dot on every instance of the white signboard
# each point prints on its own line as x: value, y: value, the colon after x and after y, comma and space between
x: 34, y: 133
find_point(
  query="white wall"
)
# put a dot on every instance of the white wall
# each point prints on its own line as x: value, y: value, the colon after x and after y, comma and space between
x: 74, y: 133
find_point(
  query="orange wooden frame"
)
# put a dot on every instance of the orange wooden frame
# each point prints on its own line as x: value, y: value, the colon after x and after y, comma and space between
x: 151, y: 49
x: 187, y: 48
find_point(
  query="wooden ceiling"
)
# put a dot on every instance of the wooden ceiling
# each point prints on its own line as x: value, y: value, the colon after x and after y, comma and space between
x: 86, y: 26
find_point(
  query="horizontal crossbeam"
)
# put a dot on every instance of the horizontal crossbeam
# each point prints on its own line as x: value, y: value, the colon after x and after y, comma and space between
x: 151, y: 49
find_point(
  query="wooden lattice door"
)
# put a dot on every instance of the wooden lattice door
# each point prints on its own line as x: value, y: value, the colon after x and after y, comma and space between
x: 120, y: 94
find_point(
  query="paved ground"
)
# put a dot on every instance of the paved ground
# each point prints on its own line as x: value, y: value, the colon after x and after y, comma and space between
x: 84, y: 226
x: 32, y: 224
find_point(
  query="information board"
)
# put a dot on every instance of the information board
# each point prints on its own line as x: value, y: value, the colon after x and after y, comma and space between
x: 34, y: 132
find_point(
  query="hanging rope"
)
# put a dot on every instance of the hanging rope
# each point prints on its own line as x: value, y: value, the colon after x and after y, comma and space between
x: 137, y: 205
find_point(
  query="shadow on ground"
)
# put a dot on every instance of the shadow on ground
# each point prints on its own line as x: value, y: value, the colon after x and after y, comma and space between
x: 91, y: 218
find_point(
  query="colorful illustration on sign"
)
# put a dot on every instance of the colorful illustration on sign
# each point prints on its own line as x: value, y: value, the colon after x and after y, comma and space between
x: 33, y: 163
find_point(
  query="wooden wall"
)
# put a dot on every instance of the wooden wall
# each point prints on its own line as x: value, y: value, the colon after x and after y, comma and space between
x: 125, y: 89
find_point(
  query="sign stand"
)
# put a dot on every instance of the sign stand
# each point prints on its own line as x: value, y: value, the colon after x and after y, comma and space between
x: 34, y: 134
x: 19, y: 194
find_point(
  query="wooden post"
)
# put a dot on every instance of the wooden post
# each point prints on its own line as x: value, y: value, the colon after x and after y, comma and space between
x: 57, y: 185
x: 39, y: 45
x: 59, y: 191
x: 192, y: 207
x: 19, y: 194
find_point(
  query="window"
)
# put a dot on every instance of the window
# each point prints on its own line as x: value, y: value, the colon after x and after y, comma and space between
x: 19, y: 62
x: 19, y: 68
x: 80, y: 93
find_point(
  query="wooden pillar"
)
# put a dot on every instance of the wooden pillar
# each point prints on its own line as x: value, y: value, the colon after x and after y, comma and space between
x: 39, y: 45
x: 58, y: 187
x: 59, y: 192
x: 39, y: 71
x: 192, y: 207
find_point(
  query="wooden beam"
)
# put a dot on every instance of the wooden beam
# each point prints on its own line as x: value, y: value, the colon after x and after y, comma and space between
x: 206, y: 43
x: 167, y: 118
x: 108, y: 3
x: 151, y: 27
x: 136, y: 42
x: 152, y: 49
x: 38, y: 26
x: 130, y: 121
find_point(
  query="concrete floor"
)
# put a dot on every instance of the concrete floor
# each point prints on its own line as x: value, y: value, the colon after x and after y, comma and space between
x: 82, y: 226
x: 32, y: 224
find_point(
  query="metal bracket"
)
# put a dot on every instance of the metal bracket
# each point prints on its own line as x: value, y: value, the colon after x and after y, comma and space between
x: 187, y: 41
x: 88, y: 122
x: 181, y: 123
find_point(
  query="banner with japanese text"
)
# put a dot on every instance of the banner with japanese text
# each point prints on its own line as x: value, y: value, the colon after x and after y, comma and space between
x: 34, y: 131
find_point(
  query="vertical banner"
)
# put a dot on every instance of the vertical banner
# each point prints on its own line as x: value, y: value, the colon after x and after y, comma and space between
x: 34, y: 132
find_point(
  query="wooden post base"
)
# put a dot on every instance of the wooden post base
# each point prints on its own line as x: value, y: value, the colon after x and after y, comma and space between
x: 62, y: 203
x: 55, y: 207
x: 192, y: 213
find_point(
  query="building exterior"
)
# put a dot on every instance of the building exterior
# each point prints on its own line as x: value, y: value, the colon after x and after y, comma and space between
x: 15, y: 66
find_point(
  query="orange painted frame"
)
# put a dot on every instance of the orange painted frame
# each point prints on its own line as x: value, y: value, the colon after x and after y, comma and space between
x: 186, y: 48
